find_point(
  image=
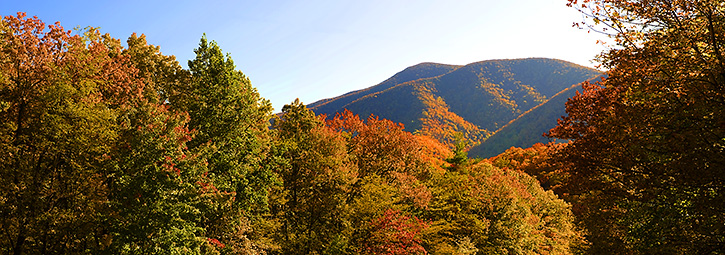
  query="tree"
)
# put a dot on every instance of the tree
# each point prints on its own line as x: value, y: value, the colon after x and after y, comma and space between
x: 393, y: 169
x: 537, y: 161
x: 157, y: 187
x: 59, y: 98
x: 317, y: 182
x: 382, y: 147
x: 647, y: 143
x: 162, y: 74
x: 231, y: 122
x: 394, y: 233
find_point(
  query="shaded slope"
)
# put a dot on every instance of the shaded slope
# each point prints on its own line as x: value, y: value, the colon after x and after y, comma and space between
x: 527, y: 129
x: 399, y: 104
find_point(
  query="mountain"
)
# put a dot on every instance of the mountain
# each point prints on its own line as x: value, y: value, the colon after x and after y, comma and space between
x: 475, y: 100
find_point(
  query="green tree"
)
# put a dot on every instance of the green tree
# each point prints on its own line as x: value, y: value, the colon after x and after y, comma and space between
x: 231, y: 122
x: 157, y: 187
x: 460, y: 152
x: 647, y: 143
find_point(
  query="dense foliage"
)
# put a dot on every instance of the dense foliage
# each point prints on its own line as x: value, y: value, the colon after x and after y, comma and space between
x: 527, y: 129
x: 112, y: 149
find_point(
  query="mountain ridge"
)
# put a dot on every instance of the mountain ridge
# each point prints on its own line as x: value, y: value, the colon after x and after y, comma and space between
x: 478, y: 99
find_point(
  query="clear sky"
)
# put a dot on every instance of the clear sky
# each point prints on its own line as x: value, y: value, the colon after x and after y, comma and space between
x: 316, y: 49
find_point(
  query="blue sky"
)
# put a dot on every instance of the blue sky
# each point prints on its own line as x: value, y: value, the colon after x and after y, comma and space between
x: 317, y: 49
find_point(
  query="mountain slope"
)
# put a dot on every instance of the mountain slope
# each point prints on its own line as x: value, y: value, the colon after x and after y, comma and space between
x: 420, y: 71
x: 527, y: 129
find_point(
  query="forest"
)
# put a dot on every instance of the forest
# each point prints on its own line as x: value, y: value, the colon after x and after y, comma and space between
x: 115, y: 148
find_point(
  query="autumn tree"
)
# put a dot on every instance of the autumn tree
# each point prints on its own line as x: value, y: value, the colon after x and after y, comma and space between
x: 317, y: 183
x: 538, y: 161
x: 161, y: 73
x: 158, y: 189
x: 647, y: 142
x: 381, y: 146
x: 393, y: 169
x: 395, y: 234
x: 385, y: 152
x: 60, y: 95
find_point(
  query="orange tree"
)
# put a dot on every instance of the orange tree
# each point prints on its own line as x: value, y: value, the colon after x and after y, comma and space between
x: 647, y: 144
x: 393, y: 233
x: 537, y: 161
x: 393, y: 169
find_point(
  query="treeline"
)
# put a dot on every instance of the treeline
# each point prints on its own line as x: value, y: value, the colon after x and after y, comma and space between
x: 112, y: 149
